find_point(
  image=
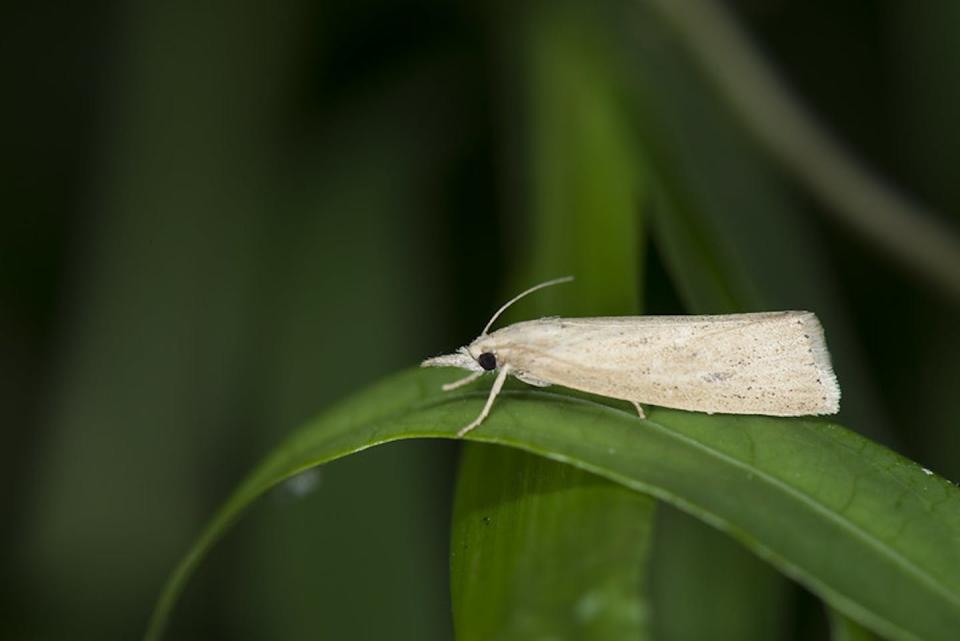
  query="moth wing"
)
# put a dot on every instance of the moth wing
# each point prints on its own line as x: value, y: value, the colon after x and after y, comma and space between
x: 531, y: 380
x: 768, y: 363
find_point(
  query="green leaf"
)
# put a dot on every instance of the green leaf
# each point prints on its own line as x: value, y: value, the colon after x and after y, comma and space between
x: 518, y: 572
x: 706, y: 585
x: 843, y: 629
x: 541, y: 549
x: 586, y: 179
x: 870, y: 532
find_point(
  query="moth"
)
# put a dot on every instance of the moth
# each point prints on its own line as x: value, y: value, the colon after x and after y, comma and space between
x: 771, y: 363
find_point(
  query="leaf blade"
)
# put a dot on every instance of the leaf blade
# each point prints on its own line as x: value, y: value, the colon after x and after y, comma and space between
x: 759, y: 479
x: 516, y: 571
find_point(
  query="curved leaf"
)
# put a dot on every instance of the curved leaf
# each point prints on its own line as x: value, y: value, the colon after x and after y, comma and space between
x: 872, y: 533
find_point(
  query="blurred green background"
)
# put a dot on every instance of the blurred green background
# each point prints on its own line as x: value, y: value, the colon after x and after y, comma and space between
x: 218, y: 218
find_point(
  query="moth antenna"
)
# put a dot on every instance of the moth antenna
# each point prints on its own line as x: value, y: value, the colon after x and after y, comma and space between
x: 555, y: 281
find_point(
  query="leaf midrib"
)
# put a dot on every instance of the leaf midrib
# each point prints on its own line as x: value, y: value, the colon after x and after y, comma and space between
x: 864, y: 535
x: 856, y: 530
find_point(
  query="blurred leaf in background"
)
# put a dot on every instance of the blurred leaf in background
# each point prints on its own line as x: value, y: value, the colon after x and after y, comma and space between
x: 574, y: 212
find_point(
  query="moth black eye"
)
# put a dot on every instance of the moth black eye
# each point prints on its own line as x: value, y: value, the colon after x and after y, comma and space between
x: 487, y: 361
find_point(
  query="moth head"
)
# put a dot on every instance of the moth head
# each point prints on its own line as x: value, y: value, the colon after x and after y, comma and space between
x: 487, y: 360
x: 483, y: 351
x: 476, y: 357
x: 480, y: 355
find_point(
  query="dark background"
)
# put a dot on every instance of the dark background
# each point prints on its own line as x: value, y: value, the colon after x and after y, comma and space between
x: 217, y: 218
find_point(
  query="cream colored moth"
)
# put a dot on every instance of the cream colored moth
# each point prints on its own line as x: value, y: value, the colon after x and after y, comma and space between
x: 772, y: 363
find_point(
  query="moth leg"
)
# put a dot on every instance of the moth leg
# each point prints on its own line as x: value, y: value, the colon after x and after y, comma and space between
x: 640, y: 411
x: 446, y: 387
x: 497, y: 385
